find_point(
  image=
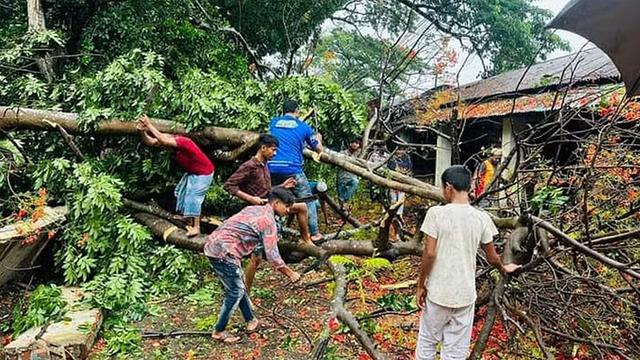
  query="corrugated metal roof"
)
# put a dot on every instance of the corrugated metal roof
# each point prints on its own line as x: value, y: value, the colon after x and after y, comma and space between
x: 590, y: 65
x: 587, y: 97
x: 584, y: 73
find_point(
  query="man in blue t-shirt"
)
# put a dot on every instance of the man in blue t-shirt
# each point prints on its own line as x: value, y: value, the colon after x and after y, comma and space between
x: 293, y: 135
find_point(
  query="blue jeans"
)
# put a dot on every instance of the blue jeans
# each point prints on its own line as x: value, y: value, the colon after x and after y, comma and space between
x: 234, y: 293
x: 303, y: 189
x: 394, y: 197
x: 347, y: 188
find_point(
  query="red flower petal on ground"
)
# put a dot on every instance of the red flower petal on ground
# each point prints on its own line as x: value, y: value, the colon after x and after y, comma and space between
x: 21, y: 214
x: 333, y: 324
x: 316, y: 326
x: 340, y: 338
x: 6, y: 340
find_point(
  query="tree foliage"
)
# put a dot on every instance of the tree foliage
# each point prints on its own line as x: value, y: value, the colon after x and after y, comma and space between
x: 506, y: 34
x: 366, y: 64
x: 274, y: 26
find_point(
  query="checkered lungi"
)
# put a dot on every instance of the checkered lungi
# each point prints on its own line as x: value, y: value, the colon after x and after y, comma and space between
x: 190, y: 193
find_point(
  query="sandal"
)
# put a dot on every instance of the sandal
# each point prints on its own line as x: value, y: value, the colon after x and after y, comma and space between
x: 226, y: 338
x: 256, y: 328
x: 191, y: 231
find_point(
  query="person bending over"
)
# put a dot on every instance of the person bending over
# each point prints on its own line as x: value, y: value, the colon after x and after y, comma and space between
x: 198, y: 176
x: 237, y: 238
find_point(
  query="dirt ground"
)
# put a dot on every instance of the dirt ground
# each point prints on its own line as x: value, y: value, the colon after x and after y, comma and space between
x: 292, y: 319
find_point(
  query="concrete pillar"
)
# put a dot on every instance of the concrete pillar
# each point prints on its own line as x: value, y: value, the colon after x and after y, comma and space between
x: 443, y: 157
x: 508, y: 143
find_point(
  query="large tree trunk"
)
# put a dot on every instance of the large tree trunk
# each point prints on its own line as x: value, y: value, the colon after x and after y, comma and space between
x: 23, y: 118
x: 32, y: 119
x: 172, y: 234
x: 35, y: 16
x: 14, y: 118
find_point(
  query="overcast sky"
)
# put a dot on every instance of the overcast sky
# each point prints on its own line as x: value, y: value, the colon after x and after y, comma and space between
x: 473, y: 68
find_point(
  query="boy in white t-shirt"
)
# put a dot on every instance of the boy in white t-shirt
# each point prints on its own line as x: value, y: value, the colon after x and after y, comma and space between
x: 446, y: 285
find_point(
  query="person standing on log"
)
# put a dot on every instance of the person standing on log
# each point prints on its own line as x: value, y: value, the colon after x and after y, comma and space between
x: 198, y: 177
x: 252, y: 184
x: 238, y: 237
x: 293, y: 134
x: 446, y: 285
x: 347, y: 183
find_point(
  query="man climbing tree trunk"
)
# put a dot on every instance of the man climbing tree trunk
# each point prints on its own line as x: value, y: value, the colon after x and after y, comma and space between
x: 194, y: 184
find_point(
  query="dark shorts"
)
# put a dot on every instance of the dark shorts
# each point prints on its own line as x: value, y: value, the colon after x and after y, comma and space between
x: 277, y: 179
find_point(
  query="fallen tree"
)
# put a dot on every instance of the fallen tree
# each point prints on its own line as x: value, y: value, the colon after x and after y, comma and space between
x: 240, y: 140
x: 17, y: 118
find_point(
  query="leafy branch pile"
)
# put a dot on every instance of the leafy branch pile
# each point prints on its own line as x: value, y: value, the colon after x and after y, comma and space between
x: 45, y: 306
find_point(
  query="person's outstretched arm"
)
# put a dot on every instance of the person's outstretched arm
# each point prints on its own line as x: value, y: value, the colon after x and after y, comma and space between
x: 147, y: 139
x: 494, y: 259
x: 270, y: 240
x: 144, y: 134
x: 319, y: 147
x: 163, y: 139
x: 313, y: 140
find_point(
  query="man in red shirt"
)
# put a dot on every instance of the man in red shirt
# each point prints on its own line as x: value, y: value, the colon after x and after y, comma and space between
x: 194, y: 184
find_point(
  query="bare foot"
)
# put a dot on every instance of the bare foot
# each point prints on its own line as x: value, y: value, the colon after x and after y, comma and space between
x: 225, y: 337
x: 307, y: 242
x: 192, y: 231
x: 253, y: 325
x: 317, y: 238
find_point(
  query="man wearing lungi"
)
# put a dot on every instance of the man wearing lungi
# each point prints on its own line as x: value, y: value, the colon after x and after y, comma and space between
x: 194, y: 184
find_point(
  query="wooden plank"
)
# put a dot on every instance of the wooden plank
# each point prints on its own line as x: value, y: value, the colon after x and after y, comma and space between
x: 52, y: 215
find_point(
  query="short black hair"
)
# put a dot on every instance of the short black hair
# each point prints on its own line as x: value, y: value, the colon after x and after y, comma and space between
x: 356, y: 139
x: 268, y: 140
x: 457, y: 176
x: 290, y: 106
x: 282, y: 194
